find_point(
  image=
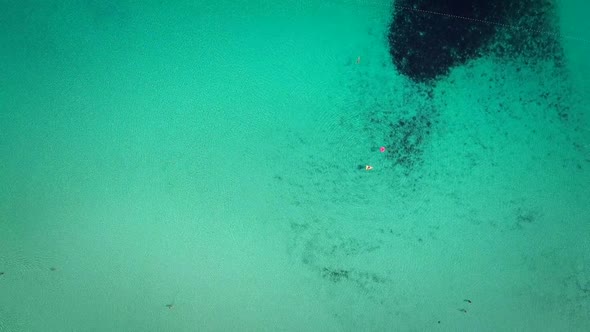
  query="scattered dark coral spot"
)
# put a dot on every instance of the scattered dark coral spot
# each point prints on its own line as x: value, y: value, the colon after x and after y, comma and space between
x: 525, y: 217
x: 335, y: 275
x: 407, y: 138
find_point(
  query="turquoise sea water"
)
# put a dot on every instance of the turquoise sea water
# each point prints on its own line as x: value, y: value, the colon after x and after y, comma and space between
x: 194, y: 166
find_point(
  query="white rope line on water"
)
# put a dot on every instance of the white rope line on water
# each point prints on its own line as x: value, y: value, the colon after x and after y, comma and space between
x: 587, y: 41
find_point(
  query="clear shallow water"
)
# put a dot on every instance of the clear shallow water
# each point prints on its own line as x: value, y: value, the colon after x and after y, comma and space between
x: 206, y: 155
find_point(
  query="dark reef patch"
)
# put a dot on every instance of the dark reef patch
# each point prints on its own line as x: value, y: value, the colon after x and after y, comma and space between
x: 425, y: 45
x: 428, y: 37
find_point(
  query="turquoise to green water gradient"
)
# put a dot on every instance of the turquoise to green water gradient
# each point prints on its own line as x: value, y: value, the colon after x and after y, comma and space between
x: 194, y: 166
